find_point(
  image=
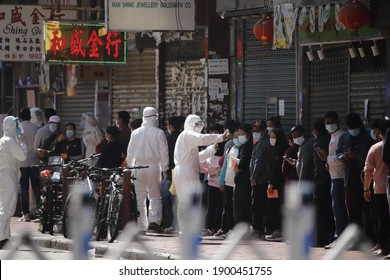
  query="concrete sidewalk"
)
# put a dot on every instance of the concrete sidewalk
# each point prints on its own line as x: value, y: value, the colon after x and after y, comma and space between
x: 168, y: 246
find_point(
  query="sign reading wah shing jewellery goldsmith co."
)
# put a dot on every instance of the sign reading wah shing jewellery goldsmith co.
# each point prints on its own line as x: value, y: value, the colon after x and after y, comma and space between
x: 154, y: 15
x: 21, y: 34
x: 83, y: 43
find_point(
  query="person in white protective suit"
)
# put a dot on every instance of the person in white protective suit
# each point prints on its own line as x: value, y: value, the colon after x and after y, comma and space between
x: 91, y: 134
x: 36, y: 116
x: 186, y: 173
x: 12, y: 152
x: 148, y: 147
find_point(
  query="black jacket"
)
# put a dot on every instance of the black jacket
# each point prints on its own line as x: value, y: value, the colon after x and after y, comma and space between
x: 321, y: 173
x: 258, y: 165
x: 244, y: 155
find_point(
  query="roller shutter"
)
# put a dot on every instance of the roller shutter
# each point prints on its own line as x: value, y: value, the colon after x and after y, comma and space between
x: 269, y: 76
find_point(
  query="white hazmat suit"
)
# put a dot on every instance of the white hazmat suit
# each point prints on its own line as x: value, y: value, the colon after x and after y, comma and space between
x: 148, y: 146
x: 187, y: 158
x: 91, y: 134
x: 11, y: 154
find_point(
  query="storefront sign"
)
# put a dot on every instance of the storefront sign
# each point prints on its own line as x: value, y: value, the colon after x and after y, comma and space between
x: 54, y: 2
x: 21, y: 31
x: 151, y: 15
x: 83, y: 43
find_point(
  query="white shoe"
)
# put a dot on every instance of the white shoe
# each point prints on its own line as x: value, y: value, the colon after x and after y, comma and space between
x: 25, y: 218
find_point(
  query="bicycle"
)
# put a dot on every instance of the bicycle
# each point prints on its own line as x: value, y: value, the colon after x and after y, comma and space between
x: 109, y: 221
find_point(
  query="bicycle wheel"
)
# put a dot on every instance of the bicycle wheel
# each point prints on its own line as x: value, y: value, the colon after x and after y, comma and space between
x: 101, y: 227
x: 66, y: 218
x: 113, y: 224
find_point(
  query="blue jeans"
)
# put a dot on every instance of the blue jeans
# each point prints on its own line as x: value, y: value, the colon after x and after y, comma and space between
x: 338, y: 205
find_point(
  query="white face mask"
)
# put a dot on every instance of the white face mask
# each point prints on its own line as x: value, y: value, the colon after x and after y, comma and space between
x: 198, y: 128
x: 270, y: 129
x: 272, y: 141
x: 299, y: 141
x: 256, y: 136
x: 236, y: 142
x: 331, y: 127
x: 117, y: 123
x: 242, y: 139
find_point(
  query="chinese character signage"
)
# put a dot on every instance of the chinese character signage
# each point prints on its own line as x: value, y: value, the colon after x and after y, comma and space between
x: 83, y: 43
x: 156, y: 15
x: 21, y: 31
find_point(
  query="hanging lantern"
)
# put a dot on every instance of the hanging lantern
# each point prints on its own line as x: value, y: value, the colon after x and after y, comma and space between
x: 354, y: 15
x: 264, y: 29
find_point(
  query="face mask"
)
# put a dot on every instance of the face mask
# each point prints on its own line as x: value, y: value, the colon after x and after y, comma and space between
x: 373, y: 134
x: 117, y: 123
x: 299, y: 141
x: 270, y: 129
x: 272, y: 141
x: 242, y: 139
x: 69, y: 133
x: 19, y: 131
x: 198, y: 128
x: 354, y: 132
x: 53, y: 127
x: 256, y: 137
x: 236, y: 142
x: 331, y: 127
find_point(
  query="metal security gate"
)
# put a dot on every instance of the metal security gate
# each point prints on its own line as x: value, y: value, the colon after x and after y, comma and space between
x: 368, y: 83
x: 72, y: 107
x: 269, y: 79
x: 328, y: 84
x: 134, y: 85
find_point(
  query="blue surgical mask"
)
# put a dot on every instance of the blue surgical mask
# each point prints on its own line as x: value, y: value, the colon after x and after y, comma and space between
x: 256, y: 136
x: 242, y: 139
x: 18, y: 131
x: 236, y: 142
x: 70, y: 133
x: 270, y: 129
x: 53, y: 127
x: 373, y: 134
x: 331, y: 127
x: 354, y: 132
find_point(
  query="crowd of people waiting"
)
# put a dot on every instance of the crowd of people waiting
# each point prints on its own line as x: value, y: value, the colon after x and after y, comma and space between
x: 238, y: 172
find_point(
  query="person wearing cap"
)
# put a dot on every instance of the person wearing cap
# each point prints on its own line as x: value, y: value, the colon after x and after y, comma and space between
x: 148, y: 147
x: 28, y: 173
x: 12, y: 151
x: 51, y: 141
x: 259, y: 176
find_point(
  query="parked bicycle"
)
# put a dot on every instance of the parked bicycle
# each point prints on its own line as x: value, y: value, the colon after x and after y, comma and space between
x: 109, y: 221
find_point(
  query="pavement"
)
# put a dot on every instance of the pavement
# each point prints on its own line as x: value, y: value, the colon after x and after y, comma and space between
x: 168, y: 246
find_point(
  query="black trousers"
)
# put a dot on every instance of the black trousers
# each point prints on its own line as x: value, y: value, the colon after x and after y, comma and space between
x: 242, y: 199
x: 382, y: 210
x: 227, y: 214
x: 325, y: 226
x: 259, y: 207
x: 214, y: 208
x: 28, y: 174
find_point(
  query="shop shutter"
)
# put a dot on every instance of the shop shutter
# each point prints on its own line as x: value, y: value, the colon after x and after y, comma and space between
x: 134, y: 84
x: 72, y: 107
x: 269, y: 76
x: 328, y: 84
x: 368, y: 82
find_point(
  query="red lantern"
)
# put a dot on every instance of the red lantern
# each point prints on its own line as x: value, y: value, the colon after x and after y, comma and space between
x: 354, y: 15
x: 264, y: 29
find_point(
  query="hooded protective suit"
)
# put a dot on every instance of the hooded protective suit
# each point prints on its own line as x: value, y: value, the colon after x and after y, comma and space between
x: 187, y: 158
x: 11, y: 154
x: 91, y: 134
x: 148, y: 146
x: 36, y: 116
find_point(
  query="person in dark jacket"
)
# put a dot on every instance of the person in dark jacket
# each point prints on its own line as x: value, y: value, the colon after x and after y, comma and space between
x: 111, y: 154
x: 69, y: 146
x: 304, y: 162
x: 325, y: 227
x: 242, y: 192
x: 386, y: 159
x: 259, y: 176
x: 352, y: 148
x: 276, y: 183
x: 289, y: 161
